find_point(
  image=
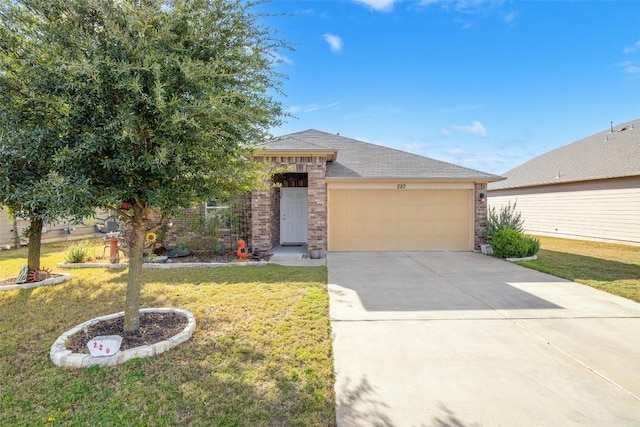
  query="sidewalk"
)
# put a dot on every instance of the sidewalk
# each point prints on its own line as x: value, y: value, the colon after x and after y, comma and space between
x: 295, y: 256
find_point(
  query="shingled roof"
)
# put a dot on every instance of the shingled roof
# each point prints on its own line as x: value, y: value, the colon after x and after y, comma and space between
x: 359, y: 159
x: 612, y: 153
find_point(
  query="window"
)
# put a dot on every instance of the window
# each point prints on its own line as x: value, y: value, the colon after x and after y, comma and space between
x: 218, y: 212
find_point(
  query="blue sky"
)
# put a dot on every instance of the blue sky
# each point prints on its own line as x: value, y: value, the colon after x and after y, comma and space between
x: 482, y: 84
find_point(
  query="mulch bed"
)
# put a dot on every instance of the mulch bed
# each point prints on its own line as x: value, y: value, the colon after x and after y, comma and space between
x: 12, y: 280
x: 154, y: 327
x: 215, y: 257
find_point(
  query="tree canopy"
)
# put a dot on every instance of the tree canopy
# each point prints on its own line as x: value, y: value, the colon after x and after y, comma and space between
x: 161, y: 100
x: 32, y: 124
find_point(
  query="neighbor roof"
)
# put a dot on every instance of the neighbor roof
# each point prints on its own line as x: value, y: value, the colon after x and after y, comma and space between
x: 359, y: 159
x: 613, y: 153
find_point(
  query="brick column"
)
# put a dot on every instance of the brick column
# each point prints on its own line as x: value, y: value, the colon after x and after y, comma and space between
x: 317, y: 204
x: 261, y: 213
x: 480, y: 212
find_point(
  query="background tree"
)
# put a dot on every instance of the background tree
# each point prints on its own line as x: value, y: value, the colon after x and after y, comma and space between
x: 165, y: 100
x: 32, y: 123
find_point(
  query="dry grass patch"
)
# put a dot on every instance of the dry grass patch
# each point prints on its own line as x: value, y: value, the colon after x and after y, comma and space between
x: 260, y: 355
x: 609, y: 267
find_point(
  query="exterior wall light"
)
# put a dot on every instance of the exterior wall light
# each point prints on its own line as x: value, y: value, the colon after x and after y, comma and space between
x: 482, y: 197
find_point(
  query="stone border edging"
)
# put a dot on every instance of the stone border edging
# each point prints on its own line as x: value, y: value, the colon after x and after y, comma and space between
x: 90, y: 265
x: 529, y: 258
x: 60, y: 277
x: 166, y: 265
x: 61, y: 356
x: 202, y: 264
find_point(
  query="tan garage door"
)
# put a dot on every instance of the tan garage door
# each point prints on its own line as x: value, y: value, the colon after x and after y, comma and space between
x: 392, y: 220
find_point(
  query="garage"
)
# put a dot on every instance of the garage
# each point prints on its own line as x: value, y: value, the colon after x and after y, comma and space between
x: 366, y: 197
x: 400, y: 217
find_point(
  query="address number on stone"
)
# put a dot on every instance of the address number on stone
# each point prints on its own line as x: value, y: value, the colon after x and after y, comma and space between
x: 105, y: 345
x: 401, y: 186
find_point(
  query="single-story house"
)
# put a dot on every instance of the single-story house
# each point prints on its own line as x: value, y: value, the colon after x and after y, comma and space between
x: 52, y: 232
x: 342, y: 194
x: 589, y: 189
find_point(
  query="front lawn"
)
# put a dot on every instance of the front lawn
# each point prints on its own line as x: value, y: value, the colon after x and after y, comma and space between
x: 610, y: 267
x: 260, y: 355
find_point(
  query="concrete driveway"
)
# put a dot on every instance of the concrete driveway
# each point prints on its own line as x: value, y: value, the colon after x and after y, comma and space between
x: 462, y: 339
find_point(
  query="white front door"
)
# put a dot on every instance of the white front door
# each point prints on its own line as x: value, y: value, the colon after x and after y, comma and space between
x: 293, y: 215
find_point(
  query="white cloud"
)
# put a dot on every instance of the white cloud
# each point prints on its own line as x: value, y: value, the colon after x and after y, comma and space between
x: 510, y: 17
x: 280, y: 59
x: 379, y: 5
x: 310, y: 107
x: 476, y: 128
x: 632, y: 48
x: 470, y: 9
x: 475, y: 6
x: 335, y: 42
x: 629, y: 67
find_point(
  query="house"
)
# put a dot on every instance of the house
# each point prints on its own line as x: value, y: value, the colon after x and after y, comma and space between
x: 342, y: 194
x: 589, y: 189
x: 338, y: 194
x: 52, y: 232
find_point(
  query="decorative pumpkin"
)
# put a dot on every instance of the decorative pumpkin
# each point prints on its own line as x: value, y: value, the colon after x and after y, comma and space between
x: 242, y: 250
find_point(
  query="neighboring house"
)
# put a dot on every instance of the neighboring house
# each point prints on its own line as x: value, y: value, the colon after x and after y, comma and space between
x: 589, y: 189
x: 52, y: 232
x: 341, y: 194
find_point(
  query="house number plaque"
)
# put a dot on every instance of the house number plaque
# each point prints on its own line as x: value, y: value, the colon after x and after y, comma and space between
x: 401, y: 186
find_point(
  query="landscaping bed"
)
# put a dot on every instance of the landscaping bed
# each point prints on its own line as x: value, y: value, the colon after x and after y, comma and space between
x: 260, y: 354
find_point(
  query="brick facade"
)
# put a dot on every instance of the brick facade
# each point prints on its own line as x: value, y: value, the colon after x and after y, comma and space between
x: 300, y: 171
x: 259, y: 213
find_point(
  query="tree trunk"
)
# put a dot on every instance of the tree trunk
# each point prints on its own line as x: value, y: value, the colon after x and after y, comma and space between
x: 35, y: 241
x: 134, y: 280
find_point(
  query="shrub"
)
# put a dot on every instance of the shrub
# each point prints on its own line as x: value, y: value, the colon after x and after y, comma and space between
x: 534, y: 245
x: 504, y: 219
x: 508, y: 243
x: 76, y: 253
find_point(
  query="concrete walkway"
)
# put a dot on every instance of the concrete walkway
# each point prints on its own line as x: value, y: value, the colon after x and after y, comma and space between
x: 295, y: 256
x: 462, y: 339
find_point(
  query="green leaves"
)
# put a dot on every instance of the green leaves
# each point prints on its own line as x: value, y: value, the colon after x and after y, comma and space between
x: 108, y: 100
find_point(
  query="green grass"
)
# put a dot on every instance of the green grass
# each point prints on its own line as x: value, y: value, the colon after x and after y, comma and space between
x: 260, y: 355
x: 610, y: 267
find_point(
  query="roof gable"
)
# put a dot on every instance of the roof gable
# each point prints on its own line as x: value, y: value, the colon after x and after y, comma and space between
x: 612, y: 153
x: 359, y: 159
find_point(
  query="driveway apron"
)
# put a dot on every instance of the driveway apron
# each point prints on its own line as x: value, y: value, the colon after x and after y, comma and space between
x: 462, y: 339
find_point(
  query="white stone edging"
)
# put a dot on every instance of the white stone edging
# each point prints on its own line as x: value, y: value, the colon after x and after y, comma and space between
x: 202, y: 264
x: 91, y: 265
x: 167, y: 265
x: 61, y: 356
x: 529, y: 258
x: 60, y: 277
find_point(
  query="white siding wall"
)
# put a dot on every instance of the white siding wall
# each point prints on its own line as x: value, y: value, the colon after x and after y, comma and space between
x: 55, y: 231
x: 606, y: 210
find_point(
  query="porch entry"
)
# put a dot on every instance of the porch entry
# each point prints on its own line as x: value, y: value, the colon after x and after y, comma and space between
x: 293, y: 216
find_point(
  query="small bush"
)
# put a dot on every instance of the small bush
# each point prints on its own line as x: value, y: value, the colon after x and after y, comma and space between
x: 506, y: 218
x: 534, y: 245
x: 508, y: 243
x: 76, y: 253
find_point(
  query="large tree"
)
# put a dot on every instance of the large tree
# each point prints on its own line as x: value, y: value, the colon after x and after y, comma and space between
x: 32, y: 125
x: 165, y: 99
